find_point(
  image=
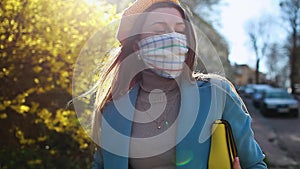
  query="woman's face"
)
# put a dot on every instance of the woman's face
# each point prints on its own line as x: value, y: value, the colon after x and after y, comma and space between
x: 163, y: 20
x: 163, y: 45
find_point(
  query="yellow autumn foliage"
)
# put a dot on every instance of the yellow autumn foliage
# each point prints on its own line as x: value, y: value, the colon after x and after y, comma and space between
x: 40, y: 41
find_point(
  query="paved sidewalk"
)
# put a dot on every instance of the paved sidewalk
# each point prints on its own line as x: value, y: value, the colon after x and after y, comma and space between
x: 276, y: 155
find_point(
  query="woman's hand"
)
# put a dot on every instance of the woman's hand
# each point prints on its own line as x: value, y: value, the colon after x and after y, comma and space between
x: 236, y: 163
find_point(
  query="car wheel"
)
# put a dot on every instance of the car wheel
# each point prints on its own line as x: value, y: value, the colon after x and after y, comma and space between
x: 263, y: 110
x: 296, y: 115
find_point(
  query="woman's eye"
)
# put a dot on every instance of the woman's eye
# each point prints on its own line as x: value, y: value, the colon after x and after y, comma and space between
x: 160, y: 32
x: 181, y: 29
x: 181, y: 32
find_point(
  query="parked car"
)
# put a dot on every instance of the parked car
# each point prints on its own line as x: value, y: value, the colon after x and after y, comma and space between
x: 241, y: 89
x: 279, y: 101
x: 258, y: 92
x: 248, y: 90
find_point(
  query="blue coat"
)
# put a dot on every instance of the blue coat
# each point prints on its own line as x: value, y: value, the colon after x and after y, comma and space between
x: 200, y: 105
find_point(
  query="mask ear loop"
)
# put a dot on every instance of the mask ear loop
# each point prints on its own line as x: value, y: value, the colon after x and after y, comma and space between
x: 137, y: 49
x: 139, y: 56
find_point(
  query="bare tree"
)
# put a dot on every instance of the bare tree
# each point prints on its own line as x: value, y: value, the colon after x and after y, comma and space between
x: 272, y: 61
x: 290, y: 10
x: 258, y: 31
x: 276, y: 63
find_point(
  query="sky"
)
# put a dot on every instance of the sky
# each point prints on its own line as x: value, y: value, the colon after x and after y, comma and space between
x: 234, y: 15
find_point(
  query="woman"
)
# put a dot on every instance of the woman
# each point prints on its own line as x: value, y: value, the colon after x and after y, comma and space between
x: 155, y: 114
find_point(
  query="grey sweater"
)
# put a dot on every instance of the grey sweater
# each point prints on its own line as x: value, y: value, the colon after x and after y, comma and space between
x: 153, y: 133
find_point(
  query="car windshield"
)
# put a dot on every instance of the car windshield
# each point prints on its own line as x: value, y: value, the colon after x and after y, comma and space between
x: 279, y: 95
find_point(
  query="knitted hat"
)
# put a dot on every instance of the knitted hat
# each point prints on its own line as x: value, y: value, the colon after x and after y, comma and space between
x: 130, y: 14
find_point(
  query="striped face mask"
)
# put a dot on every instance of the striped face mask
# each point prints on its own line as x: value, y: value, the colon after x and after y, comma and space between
x: 165, y: 53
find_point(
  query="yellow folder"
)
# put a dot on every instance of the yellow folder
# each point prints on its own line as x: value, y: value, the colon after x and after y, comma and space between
x: 222, y: 149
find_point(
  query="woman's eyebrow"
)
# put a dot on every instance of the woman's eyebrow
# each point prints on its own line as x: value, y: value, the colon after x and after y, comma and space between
x: 180, y: 23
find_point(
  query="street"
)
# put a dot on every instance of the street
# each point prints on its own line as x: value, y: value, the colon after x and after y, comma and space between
x: 279, y: 138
